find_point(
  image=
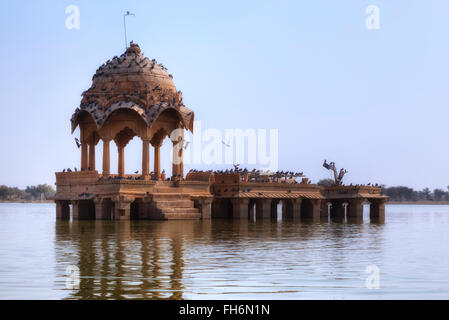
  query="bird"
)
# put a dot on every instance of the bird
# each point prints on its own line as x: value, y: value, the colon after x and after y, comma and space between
x: 136, y: 172
x: 78, y: 144
x: 226, y: 144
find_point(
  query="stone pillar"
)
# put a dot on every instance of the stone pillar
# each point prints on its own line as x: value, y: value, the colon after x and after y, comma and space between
x: 297, y: 208
x: 251, y: 211
x: 206, y: 209
x: 157, y: 161
x: 240, y: 208
x: 377, y: 210
x: 181, y: 165
x: 324, y: 209
x: 62, y: 210
x: 316, y: 209
x: 106, y: 158
x: 121, y: 160
x: 84, y: 154
x: 263, y: 209
x: 122, y: 208
x: 92, y: 156
x: 75, y: 210
x: 102, y: 209
x: 175, y: 160
x: 273, y: 209
x: 145, y: 159
x: 355, y: 208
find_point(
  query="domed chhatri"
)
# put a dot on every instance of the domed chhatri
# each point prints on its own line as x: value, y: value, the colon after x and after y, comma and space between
x: 130, y: 96
x: 132, y: 81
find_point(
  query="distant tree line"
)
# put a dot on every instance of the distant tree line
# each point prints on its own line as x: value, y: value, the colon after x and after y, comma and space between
x: 30, y: 192
x: 402, y: 193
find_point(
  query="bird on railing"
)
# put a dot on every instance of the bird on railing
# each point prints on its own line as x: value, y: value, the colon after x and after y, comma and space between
x: 78, y: 144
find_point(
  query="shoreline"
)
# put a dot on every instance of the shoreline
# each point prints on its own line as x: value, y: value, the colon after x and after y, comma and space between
x: 26, y: 201
x: 418, y: 202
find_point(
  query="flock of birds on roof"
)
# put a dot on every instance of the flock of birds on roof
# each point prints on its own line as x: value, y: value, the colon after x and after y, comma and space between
x: 99, y: 99
x: 254, y: 174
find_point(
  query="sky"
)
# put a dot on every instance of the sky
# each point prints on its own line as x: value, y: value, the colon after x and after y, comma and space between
x: 373, y: 101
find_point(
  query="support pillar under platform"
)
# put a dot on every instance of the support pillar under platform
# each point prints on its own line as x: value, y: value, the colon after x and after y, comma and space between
x: 377, y: 210
x: 355, y: 208
x: 240, y: 208
x: 206, y: 208
x: 62, y: 210
x: 263, y: 209
x: 316, y: 210
x: 122, y: 208
x: 324, y: 209
x: 296, y: 209
x: 103, y: 209
x: 75, y: 210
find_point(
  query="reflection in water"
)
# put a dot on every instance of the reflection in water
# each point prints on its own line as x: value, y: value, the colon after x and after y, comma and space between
x: 145, y: 259
x: 223, y: 259
x: 122, y: 260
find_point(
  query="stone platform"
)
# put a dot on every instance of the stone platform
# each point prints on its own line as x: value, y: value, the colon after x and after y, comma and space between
x: 204, y: 196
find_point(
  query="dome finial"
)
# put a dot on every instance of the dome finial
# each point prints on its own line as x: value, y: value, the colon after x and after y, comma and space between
x: 133, y: 48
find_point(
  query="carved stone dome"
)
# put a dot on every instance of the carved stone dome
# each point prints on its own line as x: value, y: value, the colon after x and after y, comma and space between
x: 132, y: 81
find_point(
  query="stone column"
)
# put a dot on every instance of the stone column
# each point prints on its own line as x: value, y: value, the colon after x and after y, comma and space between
x: 145, y: 159
x: 106, y: 158
x: 206, y: 209
x: 175, y: 160
x: 251, y: 211
x: 355, y: 208
x: 92, y: 156
x: 84, y: 154
x: 324, y: 209
x: 122, y: 208
x: 102, y: 209
x: 316, y: 209
x: 240, y: 208
x: 263, y: 209
x: 75, y: 210
x: 297, y: 208
x: 377, y: 210
x: 121, y: 160
x: 62, y: 210
x: 157, y: 161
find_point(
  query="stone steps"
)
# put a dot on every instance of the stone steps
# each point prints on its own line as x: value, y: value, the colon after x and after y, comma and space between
x: 173, y: 205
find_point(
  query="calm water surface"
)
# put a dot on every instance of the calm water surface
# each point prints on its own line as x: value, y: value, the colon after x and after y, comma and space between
x: 223, y: 259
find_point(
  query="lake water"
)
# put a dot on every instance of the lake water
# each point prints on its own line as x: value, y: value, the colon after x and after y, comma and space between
x: 222, y: 259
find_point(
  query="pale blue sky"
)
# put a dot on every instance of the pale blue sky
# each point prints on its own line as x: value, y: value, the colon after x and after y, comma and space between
x: 375, y: 102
